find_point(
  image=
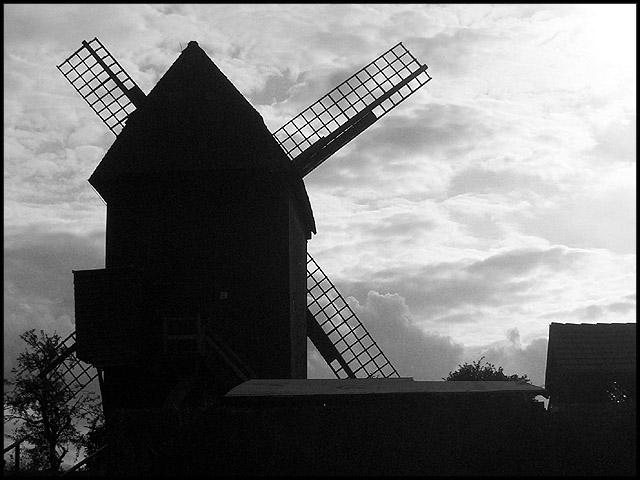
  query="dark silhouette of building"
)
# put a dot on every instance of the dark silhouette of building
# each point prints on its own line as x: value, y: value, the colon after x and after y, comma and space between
x: 205, y: 287
x: 207, y: 224
x: 591, y: 380
x: 375, y: 426
x: 589, y: 363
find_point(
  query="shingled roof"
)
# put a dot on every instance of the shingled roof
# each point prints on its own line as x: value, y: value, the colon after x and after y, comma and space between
x: 589, y: 348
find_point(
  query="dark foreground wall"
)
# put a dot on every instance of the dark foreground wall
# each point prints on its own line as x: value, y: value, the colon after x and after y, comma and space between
x: 407, y: 436
x: 436, y: 435
x: 592, y: 440
x: 384, y: 435
x: 378, y: 435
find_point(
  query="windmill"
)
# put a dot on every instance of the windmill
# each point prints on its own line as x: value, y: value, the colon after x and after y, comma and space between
x: 145, y: 303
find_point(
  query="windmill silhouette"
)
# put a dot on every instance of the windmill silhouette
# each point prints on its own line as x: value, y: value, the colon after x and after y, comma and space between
x: 201, y: 274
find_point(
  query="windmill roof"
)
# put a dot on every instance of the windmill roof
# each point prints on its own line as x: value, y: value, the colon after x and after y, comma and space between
x: 292, y: 388
x: 195, y: 119
x: 590, y: 347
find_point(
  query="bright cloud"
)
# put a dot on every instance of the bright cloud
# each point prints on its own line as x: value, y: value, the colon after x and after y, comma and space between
x: 413, y: 352
x: 497, y: 199
x: 38, y: 280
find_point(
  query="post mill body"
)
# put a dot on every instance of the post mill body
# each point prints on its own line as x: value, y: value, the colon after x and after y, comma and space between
x: 209, y: 219
x: 207, y: 224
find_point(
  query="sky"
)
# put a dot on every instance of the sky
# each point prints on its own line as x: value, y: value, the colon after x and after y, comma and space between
x: 497, y: 199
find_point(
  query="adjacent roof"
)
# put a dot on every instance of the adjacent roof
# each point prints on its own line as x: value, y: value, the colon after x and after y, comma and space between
x: 590, y: 347
x: 195, y: 119
x: 279, y: 388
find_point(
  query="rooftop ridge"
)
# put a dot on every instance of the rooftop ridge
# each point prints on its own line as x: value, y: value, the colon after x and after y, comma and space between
x: 597, y: 323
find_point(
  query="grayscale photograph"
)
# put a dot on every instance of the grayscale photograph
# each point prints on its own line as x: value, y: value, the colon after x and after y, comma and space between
x: 319, y: 239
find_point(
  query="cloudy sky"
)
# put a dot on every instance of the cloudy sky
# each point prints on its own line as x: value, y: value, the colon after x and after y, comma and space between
x: 496, y: 200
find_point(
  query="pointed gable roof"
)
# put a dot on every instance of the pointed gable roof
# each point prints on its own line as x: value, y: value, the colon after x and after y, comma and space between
x: 195, y: 119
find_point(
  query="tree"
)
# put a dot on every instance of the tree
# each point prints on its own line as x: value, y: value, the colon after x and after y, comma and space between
x: 94, y: 439
x: 475, y: 371
x: 45, y: 408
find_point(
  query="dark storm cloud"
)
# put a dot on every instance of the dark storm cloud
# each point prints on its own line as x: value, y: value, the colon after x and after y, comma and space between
x: 482, y: 180
x: 473, y: 317
x: 505, y: 278
x: 521, y: 261
x: 602, y: 313
x: 428, y: 288
x: 622, y: 307
x: 445, y: 127
x: 399, y: 143
x: 404, y: 224
x: 38, y: 281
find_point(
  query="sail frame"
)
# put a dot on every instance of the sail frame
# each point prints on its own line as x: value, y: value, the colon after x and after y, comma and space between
x: 102, y: 83
x: 370, y: 93
x: 358, y: 354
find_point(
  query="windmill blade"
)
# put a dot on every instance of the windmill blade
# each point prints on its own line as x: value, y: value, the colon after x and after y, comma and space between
x: 338, y: 334
x: 346, y: 111
x: 102, y: 83
x: 82, y: 374
x: 67, y: 368
x: 74, y: 374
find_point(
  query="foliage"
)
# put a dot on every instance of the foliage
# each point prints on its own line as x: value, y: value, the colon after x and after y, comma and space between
x: 94, y: 438
x: 45, y: 408
x: 474, y: 371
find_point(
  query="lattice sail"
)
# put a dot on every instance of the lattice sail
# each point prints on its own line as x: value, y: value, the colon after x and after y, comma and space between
x: 103, y: 83
x: 331, y: 122
x: 356, y: 353
x: 73, y: 373
x: 61, y: 369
